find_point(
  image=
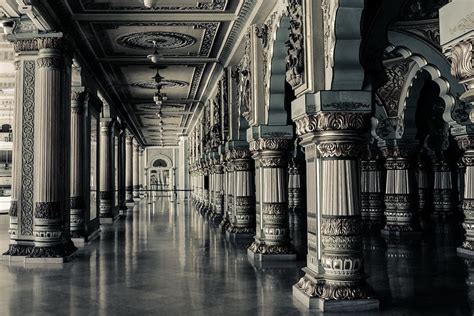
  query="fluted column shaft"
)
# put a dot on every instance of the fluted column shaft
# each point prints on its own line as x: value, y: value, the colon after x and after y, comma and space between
x: 52, y: 151
x: 425, y: 191
x: 399, y: 192
x: 467, y: 144
x: 229, y: 195
x: 242, y: 216
x: 218, y: 192
x: 129, y: 168
x: 141, y: 169
x: 121, y: 170
x: 272, y: 232
x: 106, y: 182
x: 136, y: 170
x: 372, y: 194
x: 78, y: 172
x: 443, y: 193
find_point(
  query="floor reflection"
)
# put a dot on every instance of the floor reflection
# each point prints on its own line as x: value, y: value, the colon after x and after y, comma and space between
x: 164, y: 258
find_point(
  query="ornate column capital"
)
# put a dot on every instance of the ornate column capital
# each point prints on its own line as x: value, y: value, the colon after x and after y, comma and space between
x: 79, y: 96
x: 457, y: 40
x: 105, y: 125
x: 25, y: 45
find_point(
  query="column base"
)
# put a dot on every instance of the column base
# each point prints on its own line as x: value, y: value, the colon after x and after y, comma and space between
x: 259, y: 251
x: 335, y: 305
x: 17, y: 253
x: 82, y: 241
x: 54, y: 254
x: 465, y: 253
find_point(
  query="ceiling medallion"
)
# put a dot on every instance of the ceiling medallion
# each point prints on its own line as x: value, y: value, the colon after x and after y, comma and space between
x: 165, y: 83
x: 160, y: 40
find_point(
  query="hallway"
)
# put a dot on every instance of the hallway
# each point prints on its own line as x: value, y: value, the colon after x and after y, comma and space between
x: 164, y: 259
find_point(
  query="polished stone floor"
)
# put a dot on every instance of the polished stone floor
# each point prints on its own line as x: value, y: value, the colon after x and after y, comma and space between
x: 164, y: 259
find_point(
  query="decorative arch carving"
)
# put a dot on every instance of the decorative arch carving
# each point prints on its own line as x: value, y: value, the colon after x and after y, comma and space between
x: 424, y: 59
x: 160, y: 156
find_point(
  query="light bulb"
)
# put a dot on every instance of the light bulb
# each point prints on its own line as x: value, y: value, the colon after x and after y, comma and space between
x: 153, y: 57
x: 150, y: 3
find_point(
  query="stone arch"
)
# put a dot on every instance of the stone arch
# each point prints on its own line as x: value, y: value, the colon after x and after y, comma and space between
x: 165, y: 158
x: 425, y: 59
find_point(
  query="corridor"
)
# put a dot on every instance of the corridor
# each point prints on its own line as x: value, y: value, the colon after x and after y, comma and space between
x: 163, y: 258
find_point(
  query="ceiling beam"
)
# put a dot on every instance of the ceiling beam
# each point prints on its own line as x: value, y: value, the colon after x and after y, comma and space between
x: 162, y: 17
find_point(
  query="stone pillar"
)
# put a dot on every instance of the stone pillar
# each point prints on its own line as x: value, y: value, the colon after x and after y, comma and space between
x: 372, y: 194
x: 106, y: 182
x: 443, y: 192
x: 425, y: 190
x: 79, y: 174
x: 457, y: 41
x: 219, y: 191
x: 229, y: 169
x: 400, y: 211
x: 141, y: 169
x: 52, y: 152
x: 467, y: 248
x: 272, y: 238
x: 242, y: 209
x: 129, y: 168
x: 183, y: 171
x: 23, y: 155
x: 121, y: 166
x: 136, y: 170
x: 295, y: 192
x: 335, y: 137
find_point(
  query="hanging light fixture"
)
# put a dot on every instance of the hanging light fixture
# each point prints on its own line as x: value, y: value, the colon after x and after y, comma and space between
x: 154, y: 56
x: 159, y: 97
x: 150, y: 3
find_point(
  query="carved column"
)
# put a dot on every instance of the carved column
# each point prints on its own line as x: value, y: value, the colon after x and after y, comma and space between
x: 467, y: 144
x: 334, y: 135
x: 136, y: 170
x: 23, y: 156
x: 129, y: 167
x: 372, y: 194
x: 443, y: 192
x: 457, y: 41
x: 295, y: 192
x: 399, y: 192
x: 52, y: 152
x: 106, y: 184
x: 206, y: 203
x: 242, y: 208
x: 229, y: 169
x: 219, y: 191
x: 121, y: 169
x: 141, y: 170
x: 425, y: 190
x: 272, y: 234
x: 79, y: 174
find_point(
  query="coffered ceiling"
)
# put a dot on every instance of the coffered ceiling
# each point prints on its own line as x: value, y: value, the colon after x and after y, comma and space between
x: 194, y: 38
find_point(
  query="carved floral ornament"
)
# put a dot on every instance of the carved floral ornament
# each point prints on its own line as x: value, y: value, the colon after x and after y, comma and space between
x: 280, y: 144
x: 462, y: 60
x: 331, y: 121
